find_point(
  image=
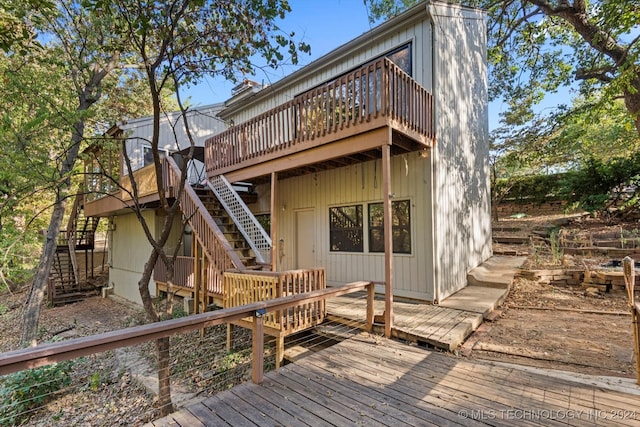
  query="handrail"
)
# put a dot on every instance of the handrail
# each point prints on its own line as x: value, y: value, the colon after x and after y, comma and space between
x: 216, y: 247
x: 376, y: 90
x: 46, y: 354
x: 243, y: 218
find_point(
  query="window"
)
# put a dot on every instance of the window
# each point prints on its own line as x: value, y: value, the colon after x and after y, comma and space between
x: 147, y: 155
x: 402, y: 58
x: 401, y: 228
x: 346, y: 229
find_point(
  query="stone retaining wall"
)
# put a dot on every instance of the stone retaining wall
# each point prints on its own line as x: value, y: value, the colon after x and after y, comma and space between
x: 604, y: 281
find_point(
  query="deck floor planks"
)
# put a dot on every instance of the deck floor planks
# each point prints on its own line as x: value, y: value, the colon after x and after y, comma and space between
x: 247, y: 409
x: 227, y: 410
x: 441, y: 327
x: 479, y: 395
x: 205, y: 415
x: 504, y: 376
x: 438, y: 395
x: 300, y: 399
x: 543, y: 391
x: 367, y: 399
x: 280, y: 410
x: 318, y: 394
x: 179, y: 418
x: 354, y: 399
x: 407, y: 384
x: 391, y: 400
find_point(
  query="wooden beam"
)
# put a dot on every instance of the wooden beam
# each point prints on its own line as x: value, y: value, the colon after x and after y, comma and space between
x: 388, y: 238
x: 274, y: 221
x: 355, y: 144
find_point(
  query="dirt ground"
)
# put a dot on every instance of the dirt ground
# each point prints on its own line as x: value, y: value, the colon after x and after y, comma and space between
x: 559, y: 327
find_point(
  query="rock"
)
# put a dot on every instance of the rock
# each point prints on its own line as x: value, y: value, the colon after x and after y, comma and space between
x: 592, y: 292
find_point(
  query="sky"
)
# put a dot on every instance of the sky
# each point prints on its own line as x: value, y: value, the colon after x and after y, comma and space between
x: 326, y: 25
x: 323, y: 24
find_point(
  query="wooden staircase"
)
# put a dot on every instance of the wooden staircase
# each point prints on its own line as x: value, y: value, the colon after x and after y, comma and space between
x: 231, y: 232
x: 66, y: 284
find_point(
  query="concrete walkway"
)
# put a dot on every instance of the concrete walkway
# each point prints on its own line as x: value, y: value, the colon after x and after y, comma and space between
x: 488, y: 285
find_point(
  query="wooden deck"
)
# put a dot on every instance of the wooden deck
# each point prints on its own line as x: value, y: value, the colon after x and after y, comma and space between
x: 438, y: 326
x: 368, y: 380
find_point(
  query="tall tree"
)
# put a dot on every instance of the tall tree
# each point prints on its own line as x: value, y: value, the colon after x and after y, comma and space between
x: 536, y: 46
x: 176, y: 43
x: 80, y: 47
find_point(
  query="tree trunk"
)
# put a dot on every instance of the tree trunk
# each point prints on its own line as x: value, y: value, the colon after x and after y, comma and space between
x: 39, y: 286
x: 632, y: 101
x: 36, y: 296
x: 164, y: 382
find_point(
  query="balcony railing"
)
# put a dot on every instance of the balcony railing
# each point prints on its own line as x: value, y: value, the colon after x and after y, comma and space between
x: 104, y: 197
x: 375, y: 95
x: 183, y: 275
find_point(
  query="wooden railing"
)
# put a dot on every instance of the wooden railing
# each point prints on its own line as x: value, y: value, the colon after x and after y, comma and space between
x: 183, y: 274
x: 145, y: 179
x: 247, y: 288
x: 47, y: 354
x: 376, y: 94
x: 217, y: 249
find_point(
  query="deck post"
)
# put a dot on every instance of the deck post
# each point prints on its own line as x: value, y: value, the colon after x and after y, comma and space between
x: 274, y: 220
x: 388, y: 237
x: 257, y: 345
x: 196, y: 275
x: 371, y: 291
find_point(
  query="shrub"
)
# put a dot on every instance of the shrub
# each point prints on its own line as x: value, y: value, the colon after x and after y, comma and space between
x: 26, y: 390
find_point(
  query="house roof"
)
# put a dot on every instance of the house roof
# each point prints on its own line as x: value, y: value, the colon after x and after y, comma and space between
x: 368, y: 38
x: 170, y: 116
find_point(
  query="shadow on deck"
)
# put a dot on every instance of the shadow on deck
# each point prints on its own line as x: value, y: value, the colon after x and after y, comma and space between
x: 368, y: 380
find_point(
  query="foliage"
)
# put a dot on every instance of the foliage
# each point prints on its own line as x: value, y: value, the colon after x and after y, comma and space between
x: 23, y: 391
x: 533, y: 188
x: 537, y: 46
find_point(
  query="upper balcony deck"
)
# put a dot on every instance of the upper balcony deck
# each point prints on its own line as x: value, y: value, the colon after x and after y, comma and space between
x: 105, y: 197
x: 344, y: 119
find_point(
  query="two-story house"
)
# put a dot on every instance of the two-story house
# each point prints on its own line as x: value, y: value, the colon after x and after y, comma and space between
x: 371, y: 162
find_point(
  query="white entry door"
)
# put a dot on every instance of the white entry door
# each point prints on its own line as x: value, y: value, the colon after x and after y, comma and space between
x: 305, y: 239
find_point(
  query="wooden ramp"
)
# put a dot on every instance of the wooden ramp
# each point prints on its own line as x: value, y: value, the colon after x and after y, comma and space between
x: 438, y: 326
x: 372, y: 381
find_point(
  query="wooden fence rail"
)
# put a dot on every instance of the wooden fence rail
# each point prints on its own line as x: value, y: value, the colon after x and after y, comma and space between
x: 47, y: 354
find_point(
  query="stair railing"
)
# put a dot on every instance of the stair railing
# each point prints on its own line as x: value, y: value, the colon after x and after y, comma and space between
x: 247, y: 224
x: 217, y: 249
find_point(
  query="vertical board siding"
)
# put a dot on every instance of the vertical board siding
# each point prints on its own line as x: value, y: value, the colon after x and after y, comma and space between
x: 203, y: 123
x: 462, y: 220
x: 344, y: 186
x: 129, y: 253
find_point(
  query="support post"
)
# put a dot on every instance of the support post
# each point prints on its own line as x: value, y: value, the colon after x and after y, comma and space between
x: 388, y: 238
x: 628, y: 267
x: 371, y: 291
x: 257, y: 345
x: 196, y: 276
x: 274, y: 221
x: 279, y: 350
